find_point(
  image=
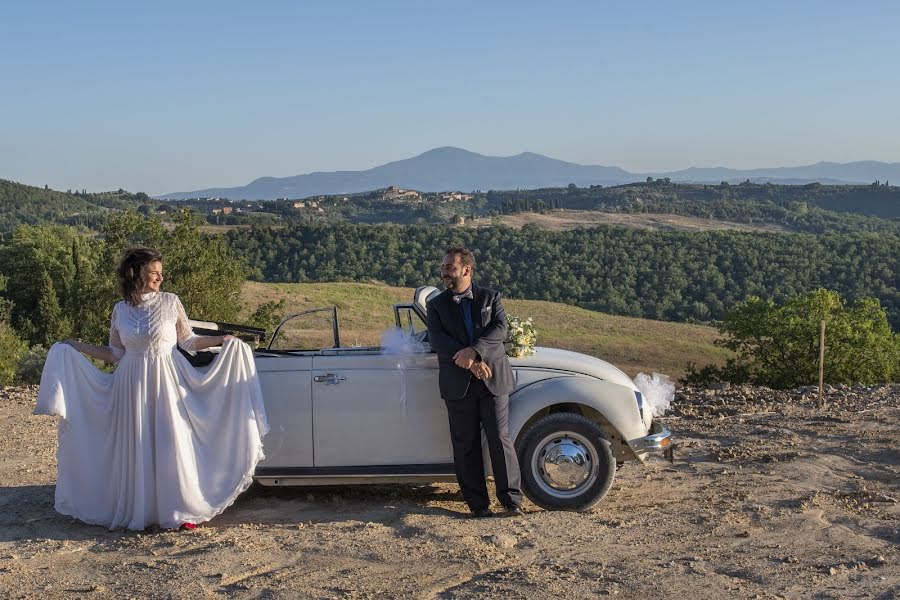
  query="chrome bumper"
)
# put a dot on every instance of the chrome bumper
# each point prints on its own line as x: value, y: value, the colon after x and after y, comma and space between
x: 660, y: 439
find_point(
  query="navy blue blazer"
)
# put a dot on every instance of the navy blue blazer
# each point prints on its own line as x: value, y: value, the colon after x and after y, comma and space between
x: 447, y: 335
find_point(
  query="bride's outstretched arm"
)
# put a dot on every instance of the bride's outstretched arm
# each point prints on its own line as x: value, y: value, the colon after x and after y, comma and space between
x: 111, y: 353
x: 189, y: 340
x: 202, y: 342
x: 104, y: 353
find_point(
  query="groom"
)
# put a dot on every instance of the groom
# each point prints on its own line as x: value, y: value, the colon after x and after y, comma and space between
x: 467, y: 327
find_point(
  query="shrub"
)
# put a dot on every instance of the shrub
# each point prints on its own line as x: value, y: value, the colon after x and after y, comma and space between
x: 11, y: 350
x: 778, y: 346
x: 31, y: 364
x: 267, y: 316
x: 57, y: 282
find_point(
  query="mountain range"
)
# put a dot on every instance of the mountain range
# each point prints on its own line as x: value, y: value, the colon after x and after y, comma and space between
x: 448, y: 168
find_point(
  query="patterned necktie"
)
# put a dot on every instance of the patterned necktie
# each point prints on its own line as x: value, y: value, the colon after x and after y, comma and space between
x: 460, y: 297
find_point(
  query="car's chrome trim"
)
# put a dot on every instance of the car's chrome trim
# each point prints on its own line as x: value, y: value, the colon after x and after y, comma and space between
x: 288, y: 476
x: 313, y: 480
x: 439, y: 469
x: 660, y: 438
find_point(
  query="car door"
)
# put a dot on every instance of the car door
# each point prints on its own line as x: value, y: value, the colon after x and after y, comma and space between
x: 372, y: 408
x: 287, y: 394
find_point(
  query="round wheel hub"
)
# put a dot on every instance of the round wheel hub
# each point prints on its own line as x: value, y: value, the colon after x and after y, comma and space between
x: 565, y: 463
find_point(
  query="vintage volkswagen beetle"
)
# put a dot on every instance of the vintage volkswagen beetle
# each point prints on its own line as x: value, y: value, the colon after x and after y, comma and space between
x: 350, y: 415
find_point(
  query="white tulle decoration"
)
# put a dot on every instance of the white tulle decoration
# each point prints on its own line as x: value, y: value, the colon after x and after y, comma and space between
x: 397, y: 341
x: 658, y: 392
x: 404, y: 346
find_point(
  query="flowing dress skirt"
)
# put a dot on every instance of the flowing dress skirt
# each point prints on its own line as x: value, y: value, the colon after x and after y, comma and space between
x: 155, y: 442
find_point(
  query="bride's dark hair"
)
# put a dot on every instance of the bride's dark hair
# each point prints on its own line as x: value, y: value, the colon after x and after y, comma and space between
x: 132, y: 272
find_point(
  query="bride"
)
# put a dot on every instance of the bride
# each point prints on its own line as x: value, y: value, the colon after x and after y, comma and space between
x: 156, y: 441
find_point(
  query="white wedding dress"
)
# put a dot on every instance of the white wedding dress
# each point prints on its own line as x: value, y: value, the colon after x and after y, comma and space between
x: 155, y: 442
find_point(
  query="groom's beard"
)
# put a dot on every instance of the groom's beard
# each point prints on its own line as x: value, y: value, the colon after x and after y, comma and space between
x: 452, y: 283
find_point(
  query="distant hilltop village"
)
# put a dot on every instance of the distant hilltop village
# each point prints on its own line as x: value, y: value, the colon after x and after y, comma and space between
x: 225, y: 206
x: 395, y: 193
x: 222, y: 211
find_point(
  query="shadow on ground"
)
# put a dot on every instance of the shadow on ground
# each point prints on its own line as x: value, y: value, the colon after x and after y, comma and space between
x: 26, y: 512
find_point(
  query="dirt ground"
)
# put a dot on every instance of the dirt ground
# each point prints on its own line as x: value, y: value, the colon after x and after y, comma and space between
x: 768, y: 497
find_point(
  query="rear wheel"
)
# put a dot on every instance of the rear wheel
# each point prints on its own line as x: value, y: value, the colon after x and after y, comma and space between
x: 566, y: 462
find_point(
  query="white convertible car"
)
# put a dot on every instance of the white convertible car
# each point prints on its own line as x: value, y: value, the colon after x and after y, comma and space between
x: 355, y: 415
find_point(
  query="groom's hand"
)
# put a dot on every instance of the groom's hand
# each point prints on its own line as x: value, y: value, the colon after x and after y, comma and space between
x: 481, y: 370
x: 465, y: 358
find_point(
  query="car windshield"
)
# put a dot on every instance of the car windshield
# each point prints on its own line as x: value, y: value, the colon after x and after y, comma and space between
x: 313, y: 329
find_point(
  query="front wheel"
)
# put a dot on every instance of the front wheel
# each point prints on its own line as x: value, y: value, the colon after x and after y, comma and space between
x: 566, y: 462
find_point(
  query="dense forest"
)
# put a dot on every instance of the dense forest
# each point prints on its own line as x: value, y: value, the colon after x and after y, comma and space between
x: 878, y: 199
x: 653, y: 274
x: 57, y: 250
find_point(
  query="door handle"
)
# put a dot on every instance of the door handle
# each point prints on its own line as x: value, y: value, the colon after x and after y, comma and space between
x: 329, y: 378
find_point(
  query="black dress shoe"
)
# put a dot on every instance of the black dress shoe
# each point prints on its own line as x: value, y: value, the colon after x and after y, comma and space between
x: 482, y: 513
x: 513, y: 511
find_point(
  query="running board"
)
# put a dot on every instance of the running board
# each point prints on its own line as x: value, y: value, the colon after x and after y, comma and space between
x: 374, y: 474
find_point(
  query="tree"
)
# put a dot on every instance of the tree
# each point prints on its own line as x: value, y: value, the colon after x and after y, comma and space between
x: 37, y: 262
x: 202, y: 270
x: 50, y: 322
x: 11, y: 350
x: 11, y: 346
x: 778, y: 346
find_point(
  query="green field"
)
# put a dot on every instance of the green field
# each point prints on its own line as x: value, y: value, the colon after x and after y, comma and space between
x: 633, y: 345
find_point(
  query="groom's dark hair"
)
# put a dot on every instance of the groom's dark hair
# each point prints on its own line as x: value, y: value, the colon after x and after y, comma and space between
x: 465, y: 255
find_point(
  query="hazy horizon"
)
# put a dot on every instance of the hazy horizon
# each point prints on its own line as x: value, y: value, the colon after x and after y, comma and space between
x: 167, y: 97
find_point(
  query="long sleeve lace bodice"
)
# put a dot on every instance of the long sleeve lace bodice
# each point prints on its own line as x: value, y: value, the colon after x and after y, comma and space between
x: 154, y: 326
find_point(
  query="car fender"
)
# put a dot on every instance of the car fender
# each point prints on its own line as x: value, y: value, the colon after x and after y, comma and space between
x: 611, y: 405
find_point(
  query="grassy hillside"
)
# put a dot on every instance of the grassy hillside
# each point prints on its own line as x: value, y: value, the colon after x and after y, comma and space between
x: 633, y: 345
x: 28, y: 205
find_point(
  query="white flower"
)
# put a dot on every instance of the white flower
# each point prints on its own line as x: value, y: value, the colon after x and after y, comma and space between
x: 521, y: 337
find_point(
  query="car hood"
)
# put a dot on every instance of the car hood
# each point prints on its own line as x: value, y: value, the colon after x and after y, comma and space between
x: 565, y: 360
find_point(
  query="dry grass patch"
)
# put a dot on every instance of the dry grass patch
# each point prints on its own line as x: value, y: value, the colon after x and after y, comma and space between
x: 559, y: 220
x: 633, y: 345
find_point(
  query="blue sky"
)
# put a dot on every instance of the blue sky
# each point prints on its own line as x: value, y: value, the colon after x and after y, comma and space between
x: 175, y: 96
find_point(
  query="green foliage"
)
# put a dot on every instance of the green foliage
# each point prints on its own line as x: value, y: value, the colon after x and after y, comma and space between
x: 11, y: 350
x: 60, y: 282
x: 202, y: 270
x: 27, y: 205
x: 809, y: 208
x: 663, y: 275
x: 5, y: 305
x: 31, y: 364
x: 49, y: 323
x: 268, y: 315
x: 204, y: 273
x: 778, y: 346
x: 41, y: 281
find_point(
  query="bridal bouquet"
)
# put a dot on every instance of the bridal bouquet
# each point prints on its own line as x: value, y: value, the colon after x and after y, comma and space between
x: 521, y: 336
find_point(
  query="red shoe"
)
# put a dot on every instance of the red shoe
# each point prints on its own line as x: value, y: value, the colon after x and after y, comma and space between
x: 187, y: 526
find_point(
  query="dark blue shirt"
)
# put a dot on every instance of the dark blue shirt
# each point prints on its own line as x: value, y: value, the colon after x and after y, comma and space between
x: 465, y: 306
